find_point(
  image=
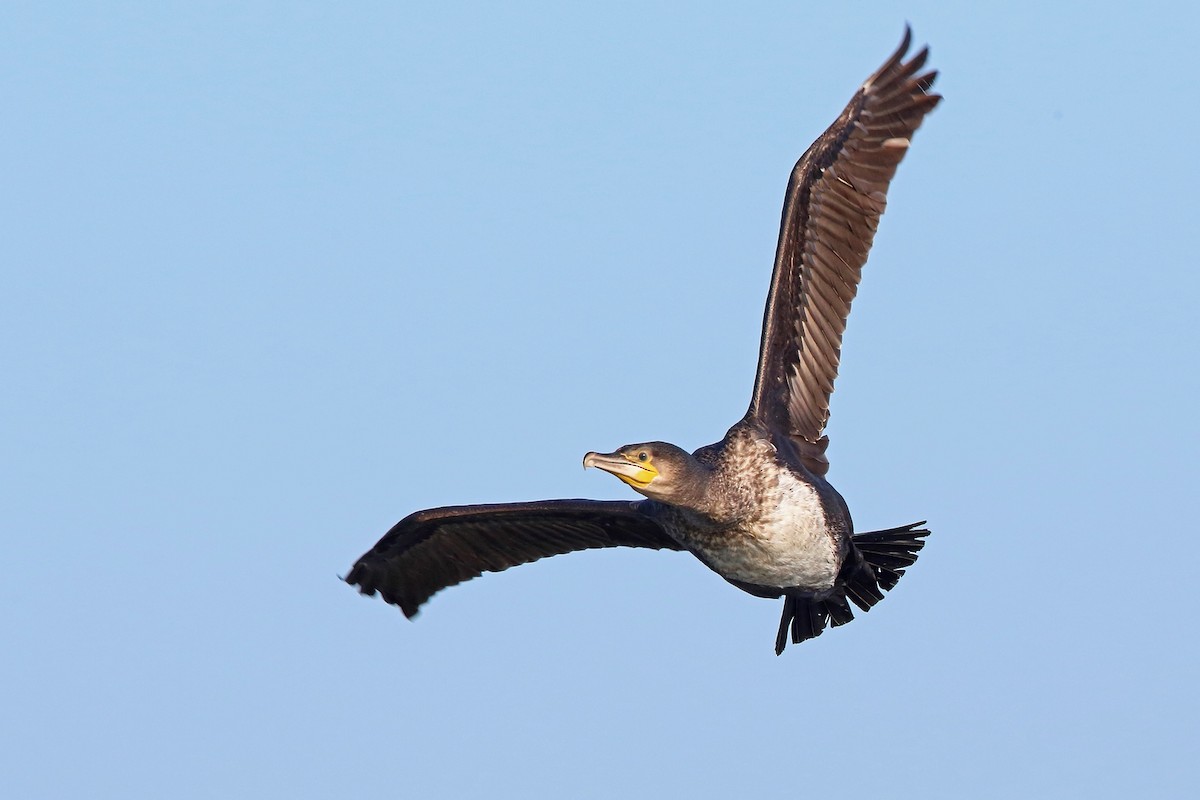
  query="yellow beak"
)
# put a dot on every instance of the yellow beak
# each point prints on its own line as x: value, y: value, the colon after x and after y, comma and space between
x: 637, y: 474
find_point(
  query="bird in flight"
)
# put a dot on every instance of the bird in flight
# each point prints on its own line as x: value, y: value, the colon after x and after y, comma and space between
x: 754, y: 507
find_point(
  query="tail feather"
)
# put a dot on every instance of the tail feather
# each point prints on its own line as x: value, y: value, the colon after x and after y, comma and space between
x: 789, y: 612
x: 808, y: 625
x: 874, y: 566
x: 862, y: 588
x: 889, y: 552
x: 805, y: 617
x: 839, y: 610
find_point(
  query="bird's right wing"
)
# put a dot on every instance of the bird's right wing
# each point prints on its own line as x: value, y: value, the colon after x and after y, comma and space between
x: 427, y: 551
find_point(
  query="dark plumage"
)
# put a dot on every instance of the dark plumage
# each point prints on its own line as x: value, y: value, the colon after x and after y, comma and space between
x: 755, y: 507
x: 440, y: 547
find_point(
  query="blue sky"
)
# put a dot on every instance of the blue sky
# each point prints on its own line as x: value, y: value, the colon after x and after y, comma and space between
x: 275, y: 275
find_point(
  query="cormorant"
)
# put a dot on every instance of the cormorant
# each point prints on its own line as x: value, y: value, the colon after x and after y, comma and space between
x: 754, y: 507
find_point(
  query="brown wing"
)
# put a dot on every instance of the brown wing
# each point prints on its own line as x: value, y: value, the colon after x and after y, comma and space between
x: 427, y: 551
x: 835, y: 197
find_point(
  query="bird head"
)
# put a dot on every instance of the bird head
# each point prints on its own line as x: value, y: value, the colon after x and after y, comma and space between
x: 656, y: 469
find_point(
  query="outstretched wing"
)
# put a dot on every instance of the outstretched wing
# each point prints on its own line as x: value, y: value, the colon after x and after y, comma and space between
x: 836, y: 194
x: 427, y: 551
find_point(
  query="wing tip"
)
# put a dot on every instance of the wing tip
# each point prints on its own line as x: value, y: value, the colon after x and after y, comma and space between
x: 368, y: 588
x: 896, y: 57
x: 895, y: 66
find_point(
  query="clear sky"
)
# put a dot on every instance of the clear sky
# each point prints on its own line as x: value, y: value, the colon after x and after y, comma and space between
x: 275, y: 275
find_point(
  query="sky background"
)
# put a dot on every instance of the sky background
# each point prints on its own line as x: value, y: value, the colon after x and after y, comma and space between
x: 275, y: 275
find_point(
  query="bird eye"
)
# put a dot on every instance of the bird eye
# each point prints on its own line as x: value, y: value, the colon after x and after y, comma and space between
x: 642, y: 456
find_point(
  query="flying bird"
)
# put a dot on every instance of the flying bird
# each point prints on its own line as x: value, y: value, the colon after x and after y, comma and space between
x: 754, y: 507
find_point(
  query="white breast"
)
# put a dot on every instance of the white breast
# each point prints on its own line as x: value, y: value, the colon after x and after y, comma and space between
x: 789, y: 545
x: 794, y: 547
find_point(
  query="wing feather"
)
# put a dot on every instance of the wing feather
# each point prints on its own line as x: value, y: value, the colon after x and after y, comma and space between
x: 430, y: 550
x: 835, y: 196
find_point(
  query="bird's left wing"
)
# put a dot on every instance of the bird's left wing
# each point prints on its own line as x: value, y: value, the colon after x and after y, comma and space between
x: 427, y: 551
x: 835, y: 197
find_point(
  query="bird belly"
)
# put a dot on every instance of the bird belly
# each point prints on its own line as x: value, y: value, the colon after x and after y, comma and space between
x: 789, y: 545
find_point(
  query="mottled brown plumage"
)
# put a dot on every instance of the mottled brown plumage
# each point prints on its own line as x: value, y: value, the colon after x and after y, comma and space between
x: 755, y: 507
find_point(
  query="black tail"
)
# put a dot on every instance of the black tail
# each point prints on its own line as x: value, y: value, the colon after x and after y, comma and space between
x: 874, y: 565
